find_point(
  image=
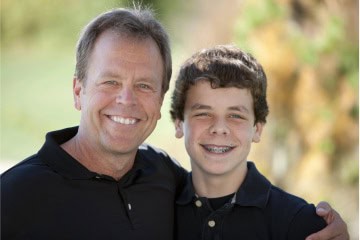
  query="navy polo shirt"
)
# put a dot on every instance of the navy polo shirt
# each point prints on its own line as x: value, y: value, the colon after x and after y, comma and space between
x: 50, y: 195
x: 258, y: 210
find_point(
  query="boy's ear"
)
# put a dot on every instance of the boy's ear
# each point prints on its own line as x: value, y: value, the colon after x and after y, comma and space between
x: 77, y: 88
x: 257, y: 132
x: 179, y: 128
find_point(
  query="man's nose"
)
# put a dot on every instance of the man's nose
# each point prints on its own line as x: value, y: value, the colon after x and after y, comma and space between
x: 126, y: 96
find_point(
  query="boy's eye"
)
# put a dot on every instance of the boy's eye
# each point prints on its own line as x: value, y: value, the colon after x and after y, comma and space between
x: 202, y: 115
x: 236, y: 116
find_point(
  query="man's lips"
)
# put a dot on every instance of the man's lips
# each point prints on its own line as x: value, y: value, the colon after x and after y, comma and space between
x: 122, y: 120
x: 217, y: 148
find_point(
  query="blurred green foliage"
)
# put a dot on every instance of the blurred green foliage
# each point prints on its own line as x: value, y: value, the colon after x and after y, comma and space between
x: 256, y: 15
x: 51, y: 24
x: 56, y: 24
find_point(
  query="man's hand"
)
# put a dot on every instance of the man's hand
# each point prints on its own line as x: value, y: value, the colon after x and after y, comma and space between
x: 336, y: 228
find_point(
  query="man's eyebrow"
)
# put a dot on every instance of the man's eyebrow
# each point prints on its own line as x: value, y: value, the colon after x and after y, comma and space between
x: 110, y: 74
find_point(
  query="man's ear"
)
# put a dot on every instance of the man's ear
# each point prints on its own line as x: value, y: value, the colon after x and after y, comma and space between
x: 179, y: 128
x: 257, y: 131
x: 77, y: 88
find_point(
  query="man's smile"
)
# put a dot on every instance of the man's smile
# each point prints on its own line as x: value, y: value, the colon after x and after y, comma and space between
x: 122, y: 120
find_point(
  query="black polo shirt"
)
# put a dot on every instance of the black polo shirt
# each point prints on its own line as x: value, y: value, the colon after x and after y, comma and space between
x: 52, y: 196
x: 258, y: 210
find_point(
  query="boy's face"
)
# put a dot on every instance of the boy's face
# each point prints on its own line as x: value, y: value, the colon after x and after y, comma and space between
x: 218, y: 128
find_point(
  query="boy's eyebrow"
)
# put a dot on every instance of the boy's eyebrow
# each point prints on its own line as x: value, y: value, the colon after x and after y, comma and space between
x: 198, y: 106
x: 240, y: 108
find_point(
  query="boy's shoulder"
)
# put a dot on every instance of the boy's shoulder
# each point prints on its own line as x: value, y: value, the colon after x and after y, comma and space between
x: 293, y: 213
x: 281, y: 198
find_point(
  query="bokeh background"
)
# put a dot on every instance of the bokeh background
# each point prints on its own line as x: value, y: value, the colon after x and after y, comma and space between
x: 309, y: 50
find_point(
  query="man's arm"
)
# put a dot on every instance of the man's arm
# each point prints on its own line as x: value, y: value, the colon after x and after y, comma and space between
x: 336, y: 228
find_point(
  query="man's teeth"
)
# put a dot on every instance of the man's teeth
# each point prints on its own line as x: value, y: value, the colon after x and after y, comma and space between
x: 126, y: 121
x: 217, y: 149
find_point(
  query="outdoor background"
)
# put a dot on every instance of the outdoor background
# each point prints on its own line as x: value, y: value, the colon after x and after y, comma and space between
x: 309, y: 50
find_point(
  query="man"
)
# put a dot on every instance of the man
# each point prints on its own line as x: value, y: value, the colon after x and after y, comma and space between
x: 219, y: 106
x: 97, y: 180
x: 93, y: 181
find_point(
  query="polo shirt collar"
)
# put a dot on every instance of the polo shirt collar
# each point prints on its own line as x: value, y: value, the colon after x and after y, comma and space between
x: 254, y: 191
x: 64, y: 164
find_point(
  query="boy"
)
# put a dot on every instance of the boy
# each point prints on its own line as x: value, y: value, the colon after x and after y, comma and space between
x: 219, y: 106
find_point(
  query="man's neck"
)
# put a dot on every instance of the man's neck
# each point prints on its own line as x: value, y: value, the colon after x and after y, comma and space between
x: 98, y: 161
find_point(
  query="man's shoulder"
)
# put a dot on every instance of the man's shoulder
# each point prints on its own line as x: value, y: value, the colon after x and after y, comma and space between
x: 156, y: 154
x: 28, y: 170
x: 159, y: 159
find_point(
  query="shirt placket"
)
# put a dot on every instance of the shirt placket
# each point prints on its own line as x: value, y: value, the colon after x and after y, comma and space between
x: 211, y: 221
x: 123, y: 196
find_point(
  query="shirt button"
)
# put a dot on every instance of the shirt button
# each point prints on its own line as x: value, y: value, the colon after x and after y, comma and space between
x: 198, y: 203
x: 211, y: 223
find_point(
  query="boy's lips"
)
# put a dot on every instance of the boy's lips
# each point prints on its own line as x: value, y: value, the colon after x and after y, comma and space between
x: 217, y: 148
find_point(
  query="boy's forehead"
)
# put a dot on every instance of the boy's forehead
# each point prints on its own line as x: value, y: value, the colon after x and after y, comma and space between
x: 206, y: 84
x: 204, y: 92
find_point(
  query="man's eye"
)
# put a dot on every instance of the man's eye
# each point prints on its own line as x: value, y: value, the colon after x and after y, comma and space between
x: 145, y: 87
x: 142, y: 85
x: 111, y: 82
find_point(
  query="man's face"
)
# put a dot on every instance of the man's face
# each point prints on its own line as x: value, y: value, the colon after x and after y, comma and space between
x: 121, y: 97
x: 218, y: 128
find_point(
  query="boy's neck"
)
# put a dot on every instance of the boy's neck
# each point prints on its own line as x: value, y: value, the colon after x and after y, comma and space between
x: 214, y: 186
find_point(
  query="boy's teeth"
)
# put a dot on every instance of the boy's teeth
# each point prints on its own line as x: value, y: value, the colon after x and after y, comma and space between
x: 126, y: 121
x: 217, y: 149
